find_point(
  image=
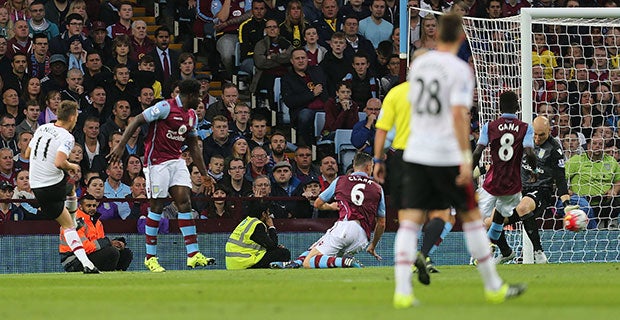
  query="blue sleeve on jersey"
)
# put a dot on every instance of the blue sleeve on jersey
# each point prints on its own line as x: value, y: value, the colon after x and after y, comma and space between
x: 381, y: 209
x: 328, y: 194
x: 159, y: 111
x: 528, y: 140
x: 484, y: 135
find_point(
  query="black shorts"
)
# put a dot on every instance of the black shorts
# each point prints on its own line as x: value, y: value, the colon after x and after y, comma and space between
x: 394, y: 167
x: 52, y: 199
x: 543, y: 197
x: 434, y: 188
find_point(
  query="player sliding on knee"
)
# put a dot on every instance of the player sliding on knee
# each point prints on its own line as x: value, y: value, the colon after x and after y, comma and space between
x: 359, y: 201
x: 537, y: 193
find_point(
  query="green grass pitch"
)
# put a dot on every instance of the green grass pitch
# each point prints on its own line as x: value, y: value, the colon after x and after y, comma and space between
x: 556, y: 291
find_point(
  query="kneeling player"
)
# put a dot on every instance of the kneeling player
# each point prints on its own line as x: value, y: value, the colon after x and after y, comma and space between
x: 358, y: 200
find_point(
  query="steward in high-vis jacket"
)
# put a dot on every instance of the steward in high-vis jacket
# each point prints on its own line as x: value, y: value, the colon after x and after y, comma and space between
x: 106, y: 254
x: 254, y: 243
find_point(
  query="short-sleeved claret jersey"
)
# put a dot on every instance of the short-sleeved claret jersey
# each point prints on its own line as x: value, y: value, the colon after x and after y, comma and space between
x: 438, y: 82
x: 506, y: 136
x: 47, y: 141
x: 169, y: 125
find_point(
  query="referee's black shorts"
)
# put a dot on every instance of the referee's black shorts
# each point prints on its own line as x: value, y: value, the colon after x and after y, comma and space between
x: 434, y: 188
x: 52, y: 198
x: 394, y: 167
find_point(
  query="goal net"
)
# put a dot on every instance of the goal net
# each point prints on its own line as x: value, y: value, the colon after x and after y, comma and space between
x: 569, y: 72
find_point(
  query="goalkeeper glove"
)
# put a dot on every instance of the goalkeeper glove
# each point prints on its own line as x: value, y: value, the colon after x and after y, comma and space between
x: 570, y: 208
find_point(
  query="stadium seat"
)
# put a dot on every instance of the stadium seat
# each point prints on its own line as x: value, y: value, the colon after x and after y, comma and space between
x: 343, y: 147
x: 362, y: 115
x: 319, y: 123
x: 284, y: 116
x: 238, y: 60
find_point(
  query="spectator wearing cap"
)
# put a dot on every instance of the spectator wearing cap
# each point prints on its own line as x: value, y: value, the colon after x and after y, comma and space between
x: 100, y: 40
x: 8, y: 210
x: 60, y: 43
x: 123, y: 25
x: 140, y: 43
x: 205, y: 84
x: 21, y: 42
x: 76, y: 55
x: 240, y: 150
x: 17, y: 77
x: 56, y: 80
x: 37, y: 22
x: 39, y: 61
x: 284, y: 185
x: 310, y: 190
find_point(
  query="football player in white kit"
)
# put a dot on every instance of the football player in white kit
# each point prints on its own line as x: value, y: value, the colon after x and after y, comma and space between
x: 48, y: 152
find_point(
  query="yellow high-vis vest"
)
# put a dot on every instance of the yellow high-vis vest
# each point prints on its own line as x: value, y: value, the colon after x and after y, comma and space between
x: 241, y: 251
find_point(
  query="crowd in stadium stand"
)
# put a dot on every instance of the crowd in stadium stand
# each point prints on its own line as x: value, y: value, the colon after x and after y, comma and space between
x: 326, y: 57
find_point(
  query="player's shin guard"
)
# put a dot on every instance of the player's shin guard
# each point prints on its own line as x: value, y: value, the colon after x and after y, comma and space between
x: 405, y: 247
x: 432, y: 234
x: 152, y: 226
x: 75, y: 243
x: 188, y: 229
x: 531, y: 227
x: 478, y: 246
x: 446, y: 229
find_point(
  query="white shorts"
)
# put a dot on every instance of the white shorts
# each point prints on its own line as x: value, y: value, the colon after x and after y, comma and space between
x: 345, y: 237
x: 160, y: 177
x: 503, y: 204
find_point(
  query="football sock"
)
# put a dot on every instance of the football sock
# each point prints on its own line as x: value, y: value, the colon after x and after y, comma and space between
x: 73, y: 239
x: 531, y: 227
x: 322, y: 261
x: 478, y: 246
x: 503, y: 245
x: 188, y: 229
x: 405, y: 248
x: 446, y: 229
x: 300, y: 260
x: 496, y: 226
x: 432, y: 234
x: 71, y: 205
x: 151, y: 228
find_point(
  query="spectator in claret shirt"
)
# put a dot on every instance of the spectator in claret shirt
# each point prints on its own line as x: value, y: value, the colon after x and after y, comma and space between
x: 340, y: 111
